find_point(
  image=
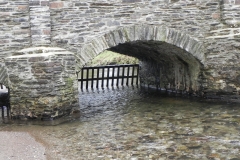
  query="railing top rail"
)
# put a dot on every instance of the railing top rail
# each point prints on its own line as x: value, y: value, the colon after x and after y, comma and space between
x: 112, y: 66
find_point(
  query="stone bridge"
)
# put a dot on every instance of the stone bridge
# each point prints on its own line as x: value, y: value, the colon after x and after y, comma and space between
x: 188, y: 45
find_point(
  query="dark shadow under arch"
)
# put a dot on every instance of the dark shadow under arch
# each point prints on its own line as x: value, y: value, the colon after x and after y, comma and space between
x: 179, y: 57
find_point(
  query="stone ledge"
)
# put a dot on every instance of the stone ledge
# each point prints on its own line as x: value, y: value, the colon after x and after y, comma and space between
x: 40, y: 55
x: 41, y: 50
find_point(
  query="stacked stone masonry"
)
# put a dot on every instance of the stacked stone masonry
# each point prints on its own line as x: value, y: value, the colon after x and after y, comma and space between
x: 43, y: 83
x: 198, y: 40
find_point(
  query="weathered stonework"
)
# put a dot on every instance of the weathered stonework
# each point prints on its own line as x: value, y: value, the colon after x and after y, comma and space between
x: 43, y: 83
x: 40, y: 22
x: 198, y: 40
x: 3, y: 75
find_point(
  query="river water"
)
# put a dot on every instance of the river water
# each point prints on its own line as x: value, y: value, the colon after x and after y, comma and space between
x: 128, y: 124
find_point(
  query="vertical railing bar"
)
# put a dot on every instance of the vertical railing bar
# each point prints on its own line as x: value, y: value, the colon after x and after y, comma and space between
x: 108, y: 70
x: 102, y: 77
x: 8, y: 103
x: 87, y: 78
x: 123, y: 70
x: 128, y: 69
x: 97, y: 77
x: 113, y: 70
x: 133, y: 70
x: 82, y: 78
x: 2, y: 105
x: 8, y: 111
x: 92, y: 78
x: 137, y: 75
x: 118, y: 72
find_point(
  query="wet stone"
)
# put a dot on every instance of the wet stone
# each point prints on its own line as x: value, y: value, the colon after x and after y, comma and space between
x: 193, y: 145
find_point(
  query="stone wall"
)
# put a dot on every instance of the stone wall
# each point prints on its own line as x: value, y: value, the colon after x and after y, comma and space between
x: 168, y: 77
x: 222, y: 70
x: 14, y: 27
x: 40, y: 22
x: 71, y: 24
x: 43, y: 83
x: 3, y: 75
x: 230, y: 12
x: 93, y: 19
x: 208, y: 30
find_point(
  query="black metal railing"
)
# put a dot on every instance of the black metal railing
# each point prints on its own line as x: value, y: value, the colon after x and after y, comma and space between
x: 104, y: 76
x: 5, y: 100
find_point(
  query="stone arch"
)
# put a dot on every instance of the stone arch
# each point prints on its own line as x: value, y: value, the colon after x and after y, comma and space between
x: 142, y: 33
x: 151, y: 36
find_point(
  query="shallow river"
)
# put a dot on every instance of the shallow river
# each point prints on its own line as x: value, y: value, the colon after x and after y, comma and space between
x: 126, y: 124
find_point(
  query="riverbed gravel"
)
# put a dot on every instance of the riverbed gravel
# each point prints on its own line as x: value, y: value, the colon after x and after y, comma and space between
x: 20, y: 146
x: 128, y: 125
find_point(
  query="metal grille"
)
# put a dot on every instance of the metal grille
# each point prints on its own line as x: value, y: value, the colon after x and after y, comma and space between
x: 106, y: 76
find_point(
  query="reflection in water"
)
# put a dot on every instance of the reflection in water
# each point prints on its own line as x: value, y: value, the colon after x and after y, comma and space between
x: 127, y: 124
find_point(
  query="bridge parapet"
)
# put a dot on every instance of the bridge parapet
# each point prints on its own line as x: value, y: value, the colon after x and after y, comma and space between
x: 43, y: 83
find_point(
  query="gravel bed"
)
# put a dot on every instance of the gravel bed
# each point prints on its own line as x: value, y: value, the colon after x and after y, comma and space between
x: 20, y: 146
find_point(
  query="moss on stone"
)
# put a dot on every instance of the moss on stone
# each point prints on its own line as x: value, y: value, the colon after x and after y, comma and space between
x: 112, y: 58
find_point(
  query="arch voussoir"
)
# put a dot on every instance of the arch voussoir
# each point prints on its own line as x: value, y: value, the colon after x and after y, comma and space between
x: 184, y: 40
x: 122, y: 35
x: 88, y: 52
x: 177, y: 39
x: 139, y: 32
x: 109, y: 38
x: 117, y: 36
x: 193, y: 47
x: 97, y: 46
x: 102, y: 43
x: 160, y: 33
x: 129, y: 33
x: 149, y: 32
x: 171, y: 36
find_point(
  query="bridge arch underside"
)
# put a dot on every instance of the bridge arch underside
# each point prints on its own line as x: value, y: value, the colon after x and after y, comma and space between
x: 164, y: 65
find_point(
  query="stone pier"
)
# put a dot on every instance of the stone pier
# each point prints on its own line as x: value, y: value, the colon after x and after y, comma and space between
x: 43, y: 83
